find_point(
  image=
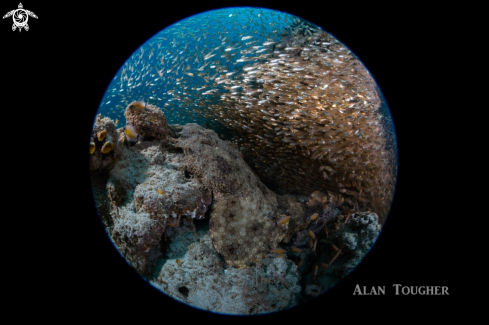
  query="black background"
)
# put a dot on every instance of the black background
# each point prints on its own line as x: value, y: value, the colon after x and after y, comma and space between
x: 54, y: 77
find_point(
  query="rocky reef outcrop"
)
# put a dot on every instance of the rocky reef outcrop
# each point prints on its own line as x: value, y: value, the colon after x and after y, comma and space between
x: 102, y: 144
x: 148, y: 120
x: 187, y: 212
x: 342, y: 243
x: 201, y: 279
x: 148, y: 191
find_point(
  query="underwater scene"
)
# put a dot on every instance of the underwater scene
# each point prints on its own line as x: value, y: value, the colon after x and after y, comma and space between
x: 243, y: 161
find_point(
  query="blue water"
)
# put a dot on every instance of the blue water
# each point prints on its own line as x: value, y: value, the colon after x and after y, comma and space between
x: 190, y: 38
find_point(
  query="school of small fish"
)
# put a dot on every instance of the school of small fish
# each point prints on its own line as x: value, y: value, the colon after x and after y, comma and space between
x: 302, y: 108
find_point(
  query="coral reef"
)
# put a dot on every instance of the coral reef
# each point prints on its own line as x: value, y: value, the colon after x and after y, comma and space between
x: 296, y: 101
x: 283, y: 209
x: 341, y: 250
x: 104, y: 136
x: 141, y: 219
x: 291, y: 206
x: 200, y: 278
x: 148, y: 120
x: 146, y: 190
x: 188, y: 213
x: 305, y: 109
x: 356, y: 240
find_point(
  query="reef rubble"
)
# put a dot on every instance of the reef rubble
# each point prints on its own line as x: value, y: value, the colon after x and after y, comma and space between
x: 185, y: 210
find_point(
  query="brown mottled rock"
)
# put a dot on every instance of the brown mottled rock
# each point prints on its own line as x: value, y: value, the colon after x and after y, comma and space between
x: 244, y: 210
x: 150, y: 121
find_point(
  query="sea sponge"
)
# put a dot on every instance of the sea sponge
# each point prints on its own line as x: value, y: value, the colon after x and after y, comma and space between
x: 101, y: 135
x: 108, y: 147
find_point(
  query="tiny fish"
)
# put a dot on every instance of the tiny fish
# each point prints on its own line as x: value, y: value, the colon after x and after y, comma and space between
x: 283, y: 220
x: 295, y: 249
x: 300, y: 263
x: 278, y: 251
x: 334, y: 258
x: 116, y: 121
x: 335, y: 248
x: 314, y: 216
x: 160, y: 191
x: 311, y: 234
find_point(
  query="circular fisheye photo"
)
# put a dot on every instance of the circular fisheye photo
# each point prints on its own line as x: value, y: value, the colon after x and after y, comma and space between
x: 243, y: 161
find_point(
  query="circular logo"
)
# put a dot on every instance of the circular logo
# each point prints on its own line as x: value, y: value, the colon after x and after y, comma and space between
x: 20, y: 17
